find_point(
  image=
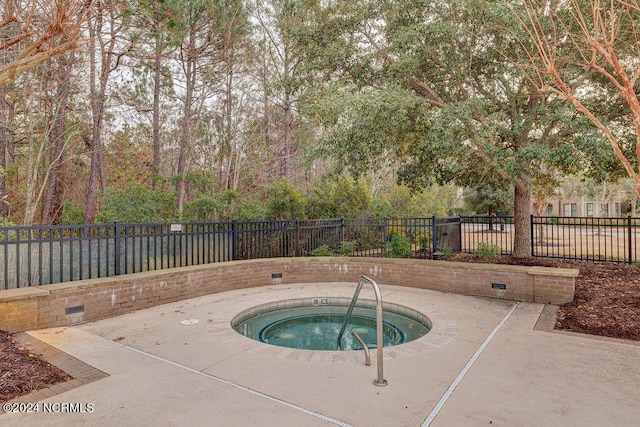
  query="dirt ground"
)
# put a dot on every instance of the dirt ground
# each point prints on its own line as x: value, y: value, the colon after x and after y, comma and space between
x: 607, y: 303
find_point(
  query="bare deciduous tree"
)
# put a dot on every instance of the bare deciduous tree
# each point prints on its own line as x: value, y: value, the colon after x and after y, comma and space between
x: 106, y: 47
x: 43, y: 28
x: 584, y: 49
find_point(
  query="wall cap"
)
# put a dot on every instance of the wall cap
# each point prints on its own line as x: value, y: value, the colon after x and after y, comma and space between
x: 22, y: 293
x: 552, y: 271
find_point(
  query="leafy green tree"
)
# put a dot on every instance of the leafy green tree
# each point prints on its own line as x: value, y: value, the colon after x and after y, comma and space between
x: 280, y: 79
x: 338, y: 197
x: 156, y: 29
x: 210, y: 31
x: 434, y: 84
x: 489, y: 201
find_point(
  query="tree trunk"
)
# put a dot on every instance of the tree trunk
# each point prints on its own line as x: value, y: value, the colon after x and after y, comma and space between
x: 288, y: 114
x: 156, y: 110
x: 228, y: 131
x: 4, y: 136
x: 522, y: 217
x: 266, y: 122
x: 31, y: 198
x: 190, y: 73
x: 91, y: 184
x: 98, y: 96
x: 52, y: 203
x: 288, y: 125
x: 5, y: 35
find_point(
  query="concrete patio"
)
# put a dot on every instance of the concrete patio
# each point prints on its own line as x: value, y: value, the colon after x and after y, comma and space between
x: 484, y: 363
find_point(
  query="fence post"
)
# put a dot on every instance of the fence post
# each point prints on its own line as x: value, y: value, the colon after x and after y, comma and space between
x: 384, y: 232
x: 434, y: 238
x: 297, y: 238
x: 341, y: 229
x: 116, y: 248
x: 532, y: 229
x: 629, y: 237
x: 234, y: 254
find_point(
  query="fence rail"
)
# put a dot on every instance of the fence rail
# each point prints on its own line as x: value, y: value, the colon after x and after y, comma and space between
x: 45, y: 255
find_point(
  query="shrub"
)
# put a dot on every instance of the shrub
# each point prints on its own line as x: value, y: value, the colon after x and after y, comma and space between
x: 71, y: 214
x: 446, y: 252
x: 6, y: 222
x: 249, y: 209
x: 323, y: 250
x: 367, y: 237
x: 283, y: 200
x: 222, y: 206
x: 488, y: 251
x: 137, y: 204
x: 202, y: 208
x: 339, y: 197
x: 347, y: 247
x: 401, y: 202
x: 398, y: 247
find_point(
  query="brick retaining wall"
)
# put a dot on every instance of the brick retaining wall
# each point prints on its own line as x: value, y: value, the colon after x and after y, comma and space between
x: 87, y: 300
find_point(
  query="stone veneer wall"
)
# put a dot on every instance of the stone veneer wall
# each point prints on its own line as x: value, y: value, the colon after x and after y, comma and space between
x: 87, y: 300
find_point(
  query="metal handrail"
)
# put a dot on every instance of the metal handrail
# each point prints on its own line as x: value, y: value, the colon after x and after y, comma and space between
x: 367, y: 354
x: 379, y: 381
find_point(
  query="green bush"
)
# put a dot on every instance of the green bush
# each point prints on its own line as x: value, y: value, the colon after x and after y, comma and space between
x: 347, y: 247
x: 202, y: 208
x: 398, y: 247
x: 367, y: 237
x: 446, y: 252
x: 11, y: 235
x: 488, y: 251
x: 283, y: 200
x: 400, y: 201
x: 323, y: 250
x: 338, y: 197
x: 137, y: 204
x: 249, y: 209
x: 222, y: 206
x: 6, y: 222
x: 71, y: 214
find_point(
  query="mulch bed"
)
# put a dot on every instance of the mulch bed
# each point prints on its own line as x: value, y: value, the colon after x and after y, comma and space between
x: 607, y: 297
x: 606, y: 303
x: 22, y: 371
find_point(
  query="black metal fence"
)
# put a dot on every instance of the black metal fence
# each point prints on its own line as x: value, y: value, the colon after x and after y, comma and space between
x: 586, y: 238
x: 577, y: 238
x: 45, y: 255
x: 496, y: 231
